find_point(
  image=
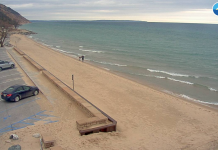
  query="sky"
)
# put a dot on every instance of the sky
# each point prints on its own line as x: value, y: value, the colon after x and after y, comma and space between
x: 184, y: 11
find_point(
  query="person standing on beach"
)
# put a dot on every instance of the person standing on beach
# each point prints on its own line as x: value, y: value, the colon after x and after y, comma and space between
x: 83, y: 58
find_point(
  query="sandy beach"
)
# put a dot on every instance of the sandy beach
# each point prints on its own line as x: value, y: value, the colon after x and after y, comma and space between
x: 147, y: 119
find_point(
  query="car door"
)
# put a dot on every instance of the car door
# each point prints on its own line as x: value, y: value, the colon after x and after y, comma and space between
x: 6, y: 64
x: 27, y: 91
x: 20, y: 91
x: 2, y: 64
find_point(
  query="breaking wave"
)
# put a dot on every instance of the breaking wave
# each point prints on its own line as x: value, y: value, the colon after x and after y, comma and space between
x: 93, y: 51
x: 171, y: 73
x: 186, y: 82
x: 180, y: 81
x: 107, y: 63
x: 212, y: 89
x: 195, y: 100
x: 188, y: 98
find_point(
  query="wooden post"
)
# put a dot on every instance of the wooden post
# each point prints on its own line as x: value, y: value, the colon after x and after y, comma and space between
x: 73, y: 81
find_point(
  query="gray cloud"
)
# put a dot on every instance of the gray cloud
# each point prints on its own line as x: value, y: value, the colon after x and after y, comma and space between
x: 85, y: 9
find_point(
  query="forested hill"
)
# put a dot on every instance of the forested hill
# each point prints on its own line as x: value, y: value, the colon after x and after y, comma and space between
x: 9, y: 16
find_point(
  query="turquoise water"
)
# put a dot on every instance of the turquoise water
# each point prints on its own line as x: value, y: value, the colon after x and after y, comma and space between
x: 180, y: 59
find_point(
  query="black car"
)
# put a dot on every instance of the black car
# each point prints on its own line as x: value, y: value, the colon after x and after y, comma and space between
x: 17, y: 92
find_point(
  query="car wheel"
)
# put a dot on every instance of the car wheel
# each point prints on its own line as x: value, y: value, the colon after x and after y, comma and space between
x: 12, y: 66
x: 36, y: 92
x: 0, y: 69
x: 17, y: 98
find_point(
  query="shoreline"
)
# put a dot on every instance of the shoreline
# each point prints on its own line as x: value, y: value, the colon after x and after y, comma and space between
x: 147, y: 118
x: 158, y: 67
x: 146, y: 84
x: 158, y: 89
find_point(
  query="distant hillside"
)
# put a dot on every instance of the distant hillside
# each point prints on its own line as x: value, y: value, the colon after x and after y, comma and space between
x: 8, y: 15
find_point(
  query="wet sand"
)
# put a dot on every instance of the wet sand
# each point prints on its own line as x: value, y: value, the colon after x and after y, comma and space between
x: 147, y: 119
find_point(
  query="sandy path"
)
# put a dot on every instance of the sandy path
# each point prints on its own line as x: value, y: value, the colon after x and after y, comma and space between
x: 147, y: 119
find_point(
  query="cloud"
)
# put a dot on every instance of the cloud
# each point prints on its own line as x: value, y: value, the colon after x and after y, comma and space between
x: 21, y: 6
x: 110, y: 9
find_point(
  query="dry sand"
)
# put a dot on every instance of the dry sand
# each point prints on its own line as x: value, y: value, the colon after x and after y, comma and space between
x: 147, y: 119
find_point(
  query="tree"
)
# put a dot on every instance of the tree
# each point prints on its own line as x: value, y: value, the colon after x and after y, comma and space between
x: 15, y: 23
x: 4, y: 27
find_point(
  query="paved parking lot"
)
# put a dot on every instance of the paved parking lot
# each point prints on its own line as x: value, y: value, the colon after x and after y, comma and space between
x: 8, y: 77
x: 16, y: 115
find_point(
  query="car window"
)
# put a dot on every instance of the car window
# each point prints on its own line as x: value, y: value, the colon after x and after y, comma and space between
x: 19, y: 89
x: 26, y: 88
x: 9, y: 90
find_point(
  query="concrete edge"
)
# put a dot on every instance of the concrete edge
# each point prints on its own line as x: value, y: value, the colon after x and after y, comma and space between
x: 94, y: 112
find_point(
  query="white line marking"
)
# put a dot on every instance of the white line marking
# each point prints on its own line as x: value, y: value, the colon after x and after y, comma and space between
x: 11, y: 80
x: 10, y: 75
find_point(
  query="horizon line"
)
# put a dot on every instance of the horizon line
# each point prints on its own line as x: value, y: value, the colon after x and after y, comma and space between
x: 126, y: 21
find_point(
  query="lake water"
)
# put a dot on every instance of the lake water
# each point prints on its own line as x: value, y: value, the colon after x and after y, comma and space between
x: 180, y: 59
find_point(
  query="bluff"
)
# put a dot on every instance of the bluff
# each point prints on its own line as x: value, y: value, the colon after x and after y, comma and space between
x: 9, y: 16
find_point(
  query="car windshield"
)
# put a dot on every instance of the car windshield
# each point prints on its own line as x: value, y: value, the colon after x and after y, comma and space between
x: 10, y: 89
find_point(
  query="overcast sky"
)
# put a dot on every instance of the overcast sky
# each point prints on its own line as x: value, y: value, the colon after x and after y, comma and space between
x: 196, y: 11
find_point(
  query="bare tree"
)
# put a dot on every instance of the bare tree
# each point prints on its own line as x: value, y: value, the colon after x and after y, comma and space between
x: 16, y: 24
x: 4, y: 27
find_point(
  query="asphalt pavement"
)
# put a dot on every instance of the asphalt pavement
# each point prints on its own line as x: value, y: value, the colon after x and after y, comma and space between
x: 16, y: 115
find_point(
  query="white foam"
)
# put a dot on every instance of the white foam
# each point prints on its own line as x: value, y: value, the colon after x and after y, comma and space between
x: 199, y: 101
x: 93, y: 51
x: 58, y: 46
x: 47, y: 45
x: 186, y: 82
x: 106, y: 69
x: 80, y: 46
x: 169, y: 73
x: 188, y: 98
x: 159, y: 77
x: 69, y: 52
x: 212, y: 89
x: 113, y: 64
x: 171, y: 93
x: 60, y: 50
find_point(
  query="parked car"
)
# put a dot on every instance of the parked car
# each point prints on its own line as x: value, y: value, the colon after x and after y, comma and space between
x: 18, y: 92
x: 6, y: 64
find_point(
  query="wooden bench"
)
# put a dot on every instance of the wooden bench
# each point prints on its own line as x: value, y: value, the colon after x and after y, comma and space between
x: 98, y: 119
x: 86, y: 122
